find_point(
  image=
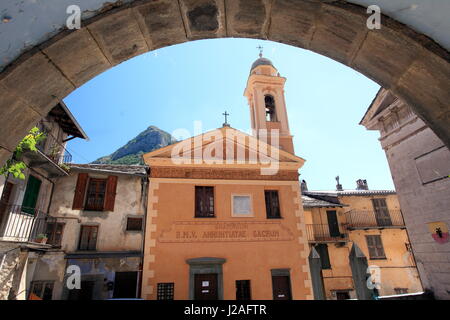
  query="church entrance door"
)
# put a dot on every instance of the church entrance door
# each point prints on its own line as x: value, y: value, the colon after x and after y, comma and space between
x: 206, y: 287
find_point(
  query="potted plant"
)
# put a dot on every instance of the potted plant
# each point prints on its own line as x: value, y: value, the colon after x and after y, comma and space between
x: 41, y: 238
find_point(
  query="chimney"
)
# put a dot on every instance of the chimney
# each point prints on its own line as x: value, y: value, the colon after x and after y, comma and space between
x: 362, y: 184
x: 338, y: 185
x: 304, y: 186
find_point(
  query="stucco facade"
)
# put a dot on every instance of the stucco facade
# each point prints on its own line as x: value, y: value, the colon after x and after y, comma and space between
x: 251, y: 246
x: 116, y: 250
x: 25, y: 203
x: 394, y: 272
x: 109, y: 261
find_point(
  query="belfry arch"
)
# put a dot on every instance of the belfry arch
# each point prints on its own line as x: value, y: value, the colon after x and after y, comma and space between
x: 270, y: 108
x: 411, y: 65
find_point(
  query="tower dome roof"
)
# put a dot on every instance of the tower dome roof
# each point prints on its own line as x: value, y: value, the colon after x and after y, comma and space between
x: 262, y: 62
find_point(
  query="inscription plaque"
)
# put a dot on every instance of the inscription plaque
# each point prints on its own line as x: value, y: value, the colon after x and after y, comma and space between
x: 225, y: 231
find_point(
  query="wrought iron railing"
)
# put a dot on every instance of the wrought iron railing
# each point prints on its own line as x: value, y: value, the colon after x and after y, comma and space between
x: 321, y: 233
x: 23, y: 224
x: 54, y: 150
x: 374, y: 219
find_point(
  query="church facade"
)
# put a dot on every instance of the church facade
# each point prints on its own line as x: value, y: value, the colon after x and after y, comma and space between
x: 225, y: 218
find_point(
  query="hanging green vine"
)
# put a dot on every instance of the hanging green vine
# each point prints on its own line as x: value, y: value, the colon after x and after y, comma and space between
x: 15, y: 165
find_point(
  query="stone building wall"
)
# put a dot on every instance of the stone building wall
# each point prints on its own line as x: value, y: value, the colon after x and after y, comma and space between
x: 420, y: 168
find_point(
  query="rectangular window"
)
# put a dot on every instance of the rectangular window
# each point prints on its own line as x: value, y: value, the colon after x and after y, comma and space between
x: 375, y: 246
x: 41, y: 290
x: 165, y: 291
x: 272, y: 204
x: 88, y: 238
x: 95, y: 196
x: 204, y: 202
x: 322, y: 250
x: 242, y: 205
x: 243, y: 290
x: 134, y: 224
x: 54, y: 233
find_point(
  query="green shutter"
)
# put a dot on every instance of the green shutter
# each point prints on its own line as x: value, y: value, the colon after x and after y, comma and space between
x: 31, y: 195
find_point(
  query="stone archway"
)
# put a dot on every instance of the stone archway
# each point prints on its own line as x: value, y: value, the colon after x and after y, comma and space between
x: 414, y: 67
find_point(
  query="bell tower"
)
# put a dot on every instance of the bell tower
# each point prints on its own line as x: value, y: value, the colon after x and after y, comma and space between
x: 265, y: 94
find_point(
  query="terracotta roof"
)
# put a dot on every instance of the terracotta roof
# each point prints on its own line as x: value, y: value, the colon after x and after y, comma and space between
x: 113, y: 168
x: 310, y: 202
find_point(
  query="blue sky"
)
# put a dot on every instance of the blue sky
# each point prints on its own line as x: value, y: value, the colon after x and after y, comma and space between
x: 174, y: 86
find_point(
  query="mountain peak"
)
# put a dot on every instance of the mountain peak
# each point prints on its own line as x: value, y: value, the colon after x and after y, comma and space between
x: 131, y: 153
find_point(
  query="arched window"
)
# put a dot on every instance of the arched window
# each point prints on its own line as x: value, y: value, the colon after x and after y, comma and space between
x: 271, y: 114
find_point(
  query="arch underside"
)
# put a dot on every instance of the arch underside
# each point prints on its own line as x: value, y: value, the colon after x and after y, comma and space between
x: 411, y: 65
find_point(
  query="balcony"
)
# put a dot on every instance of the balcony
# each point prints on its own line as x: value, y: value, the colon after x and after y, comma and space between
x: 374, y: 220
x: 52, y: 156
x: 321, y: 233
x: 21, y: 224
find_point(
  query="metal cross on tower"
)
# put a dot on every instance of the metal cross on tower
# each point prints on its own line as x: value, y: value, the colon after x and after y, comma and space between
x: 226, y: 114
x: 261, y: 49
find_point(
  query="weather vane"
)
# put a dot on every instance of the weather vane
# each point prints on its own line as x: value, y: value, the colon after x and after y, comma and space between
x: 226, y: 114
x: 261, y: 49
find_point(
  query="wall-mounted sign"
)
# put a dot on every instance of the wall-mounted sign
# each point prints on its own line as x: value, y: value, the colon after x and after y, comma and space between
x: 439, y: 231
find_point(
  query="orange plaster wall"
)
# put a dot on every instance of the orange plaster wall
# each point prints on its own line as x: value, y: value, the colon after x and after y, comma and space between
x: 245, y: 260
x: 397, y: 270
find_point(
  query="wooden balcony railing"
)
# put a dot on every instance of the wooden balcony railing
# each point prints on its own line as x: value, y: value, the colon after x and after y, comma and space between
x: 372, y: 219
x: 321, y: 233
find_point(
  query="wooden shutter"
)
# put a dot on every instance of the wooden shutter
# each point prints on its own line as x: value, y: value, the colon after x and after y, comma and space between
x: 111, y: 186
x: 375, y: 247
x: 381, y: 212
x: 379, y: 247
x: 272, y: 204
x: 80, y: 189
x: 371, y: 247
x: 93, y: 238
x: 198, y: 201
x: 268, y: 204
x: 31, y: 195
x: 209, y: 197
x: 88, y: 238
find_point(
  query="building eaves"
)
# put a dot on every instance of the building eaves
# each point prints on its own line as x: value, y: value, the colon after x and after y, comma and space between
x: 135, y: 170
